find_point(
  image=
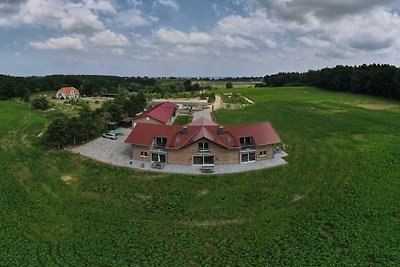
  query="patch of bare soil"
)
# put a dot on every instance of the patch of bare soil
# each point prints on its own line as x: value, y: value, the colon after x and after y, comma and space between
x: 67, y: 178
x: 203, y: 192
x: 376, y: 106
x: 212, y: 223
x: 328, y: 110
x: 358, y: 136
x: 143, y: 197
x: 297, y: 197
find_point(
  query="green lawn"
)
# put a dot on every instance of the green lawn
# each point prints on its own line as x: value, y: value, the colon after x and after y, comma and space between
x: 183, y: 120
x: 335, y: 203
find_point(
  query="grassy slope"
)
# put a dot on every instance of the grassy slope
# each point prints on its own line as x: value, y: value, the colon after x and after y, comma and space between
x: 335, y: 203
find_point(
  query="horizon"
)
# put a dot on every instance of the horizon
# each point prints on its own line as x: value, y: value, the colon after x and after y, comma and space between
x: 176, y: 38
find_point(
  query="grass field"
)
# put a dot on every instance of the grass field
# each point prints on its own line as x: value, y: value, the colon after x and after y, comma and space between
x: 183, y: 120
x: 335, y: 203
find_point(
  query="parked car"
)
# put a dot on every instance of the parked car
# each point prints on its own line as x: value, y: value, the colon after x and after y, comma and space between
x: 111, y: 136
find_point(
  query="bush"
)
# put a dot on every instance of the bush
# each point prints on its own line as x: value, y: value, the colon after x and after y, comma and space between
x: 27, y: 97
x: 229, y: 85
x: 260, y: 85
x: 40, y: 103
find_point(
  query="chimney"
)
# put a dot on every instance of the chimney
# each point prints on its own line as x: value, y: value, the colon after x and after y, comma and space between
x: 221, y: 130
x: 185, y: 130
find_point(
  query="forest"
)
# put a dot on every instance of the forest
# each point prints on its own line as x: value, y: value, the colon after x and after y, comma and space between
x: 376, y: 79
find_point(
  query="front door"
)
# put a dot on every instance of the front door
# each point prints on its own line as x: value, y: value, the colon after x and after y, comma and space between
x: 156, y: 157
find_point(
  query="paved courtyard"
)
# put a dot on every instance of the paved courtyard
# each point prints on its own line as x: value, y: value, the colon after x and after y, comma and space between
x: 118, y: 153
x: 110, y: 151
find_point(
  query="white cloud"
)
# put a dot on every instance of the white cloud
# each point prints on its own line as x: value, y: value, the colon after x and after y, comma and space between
x: 66, y: 42
x: 73, y: 17
x: 109, y: 38
x: 177, y: 37
x: 118, y: 51
x: 100, y: 5
x: 169, y: 3
x: 134, y: 18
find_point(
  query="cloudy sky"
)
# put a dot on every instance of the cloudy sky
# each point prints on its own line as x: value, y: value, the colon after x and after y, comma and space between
x: 194, y: 37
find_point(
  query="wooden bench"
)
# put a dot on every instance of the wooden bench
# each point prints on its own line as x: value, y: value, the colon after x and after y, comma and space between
x: 207, y: 169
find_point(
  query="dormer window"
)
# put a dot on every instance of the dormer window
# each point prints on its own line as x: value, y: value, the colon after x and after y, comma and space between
x: 246, y: 141
x: 203, y: 147
x: 160, y: 141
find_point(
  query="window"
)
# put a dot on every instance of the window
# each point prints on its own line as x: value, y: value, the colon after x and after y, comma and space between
x: 203, y: 160
x: 198, y: 160
x: 203, y: 147
x: 209, y: 160
x: 160, y: 141
x: 155, y: 157
x: 247, y: 157
x: 246, y: 140
x: 262, y: 153
x: 143, y: 154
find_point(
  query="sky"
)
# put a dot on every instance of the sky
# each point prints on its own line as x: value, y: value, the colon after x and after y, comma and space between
x: 194, y: 38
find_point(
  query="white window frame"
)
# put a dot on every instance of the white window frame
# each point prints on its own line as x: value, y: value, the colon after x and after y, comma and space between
x: 158, y: 157
x: 159, y: 138
x: 203, y: 150
x: 203, y: 164
x: 262, y: 153
x: 144, y: 154
x: 249, y: 138
x: 248, y: 157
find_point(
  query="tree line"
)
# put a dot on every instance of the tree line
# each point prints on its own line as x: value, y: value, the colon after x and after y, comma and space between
x: 375, y: 79
x: 89, y: 85
x: 66, y: 130
x: 95, y: 85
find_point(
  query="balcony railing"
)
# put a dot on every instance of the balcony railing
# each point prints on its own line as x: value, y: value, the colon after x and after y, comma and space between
x: 248, y: 147
x: 159, y: 147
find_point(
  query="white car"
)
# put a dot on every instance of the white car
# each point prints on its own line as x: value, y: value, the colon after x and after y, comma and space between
x: 111, y: 136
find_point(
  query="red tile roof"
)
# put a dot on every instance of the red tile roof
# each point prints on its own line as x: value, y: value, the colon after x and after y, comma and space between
x: 144, y: 134
x: 67, y: 90
x: 162, y: 112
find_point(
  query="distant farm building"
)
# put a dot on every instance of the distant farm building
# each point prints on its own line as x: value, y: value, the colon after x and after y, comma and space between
x: 162, y: 113
x: 67, y: 93
x: 194, y: 104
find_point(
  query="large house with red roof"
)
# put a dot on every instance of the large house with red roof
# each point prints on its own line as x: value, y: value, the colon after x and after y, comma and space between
x: 67, y: 93
x: 202, y: 143
x: 162, y: 113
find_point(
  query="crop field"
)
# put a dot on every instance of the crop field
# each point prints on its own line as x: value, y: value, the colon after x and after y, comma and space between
x: 336, y: 203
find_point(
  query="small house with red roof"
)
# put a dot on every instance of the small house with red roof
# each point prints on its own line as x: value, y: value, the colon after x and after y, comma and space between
x: 162, y: 113
x: 67, y: 93
x: 203, y: 143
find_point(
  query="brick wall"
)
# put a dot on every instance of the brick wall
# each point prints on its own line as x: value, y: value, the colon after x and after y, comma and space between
x: 270, y: 152
x: 185, y: 155
x: 136, y: 153
x: 222, y: 155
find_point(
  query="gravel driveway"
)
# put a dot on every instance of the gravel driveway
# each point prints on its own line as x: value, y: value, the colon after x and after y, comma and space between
x: 111, y: 151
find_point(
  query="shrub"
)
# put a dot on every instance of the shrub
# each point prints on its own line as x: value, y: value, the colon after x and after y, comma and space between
x: 40, y: 103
